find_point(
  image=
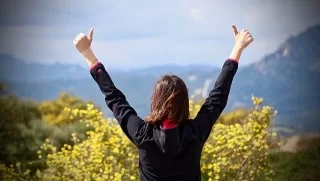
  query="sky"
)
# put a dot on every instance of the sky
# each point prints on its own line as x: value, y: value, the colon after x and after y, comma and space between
x: 134, y: 34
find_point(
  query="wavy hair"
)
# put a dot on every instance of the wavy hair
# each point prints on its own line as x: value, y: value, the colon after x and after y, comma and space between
x: 169, y: 100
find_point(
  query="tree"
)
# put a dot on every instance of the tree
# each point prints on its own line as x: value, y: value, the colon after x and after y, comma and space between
x: 53, y: 112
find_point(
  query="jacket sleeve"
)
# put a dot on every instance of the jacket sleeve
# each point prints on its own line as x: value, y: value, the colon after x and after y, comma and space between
x: 117, y: 103
x: 216, y: 101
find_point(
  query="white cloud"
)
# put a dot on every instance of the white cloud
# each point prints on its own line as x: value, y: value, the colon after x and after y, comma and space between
x: 197, y: 15
x: 139, y: 33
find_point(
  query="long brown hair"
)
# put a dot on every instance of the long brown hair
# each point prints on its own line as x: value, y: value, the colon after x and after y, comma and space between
x: 169, y: 100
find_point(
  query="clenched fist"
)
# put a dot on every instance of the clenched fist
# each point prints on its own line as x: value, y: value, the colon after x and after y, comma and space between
x: 83, y: 42
x: 243, y: 38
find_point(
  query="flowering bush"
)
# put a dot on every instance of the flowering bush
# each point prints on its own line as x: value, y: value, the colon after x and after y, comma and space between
x: 52, y: 111
x: 234, y: 151
x: 239, y: 151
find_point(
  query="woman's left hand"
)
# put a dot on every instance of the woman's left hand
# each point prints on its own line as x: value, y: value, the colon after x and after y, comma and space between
x: 83, y: 45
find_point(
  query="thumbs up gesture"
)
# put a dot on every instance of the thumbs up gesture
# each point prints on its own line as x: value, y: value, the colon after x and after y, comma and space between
x: 243, y: 38
x: 83, y: 42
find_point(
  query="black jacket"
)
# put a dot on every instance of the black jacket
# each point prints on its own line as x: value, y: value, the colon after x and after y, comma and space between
x: 167, y: 154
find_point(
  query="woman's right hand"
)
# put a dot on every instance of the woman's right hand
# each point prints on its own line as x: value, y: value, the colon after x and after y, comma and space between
x: 83, y: 42
x: 243, y: 38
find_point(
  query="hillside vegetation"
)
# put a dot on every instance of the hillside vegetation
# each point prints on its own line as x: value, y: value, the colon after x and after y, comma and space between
x: 69, y: 139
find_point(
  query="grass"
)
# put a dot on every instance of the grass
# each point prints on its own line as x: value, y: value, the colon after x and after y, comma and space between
x: 303, y: 165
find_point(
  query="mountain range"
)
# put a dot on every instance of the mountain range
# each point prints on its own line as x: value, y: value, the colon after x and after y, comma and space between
x: 288, y: 79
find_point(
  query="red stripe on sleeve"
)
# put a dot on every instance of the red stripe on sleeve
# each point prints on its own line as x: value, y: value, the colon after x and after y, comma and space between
x: 94, y: 65
x: 231, y: 59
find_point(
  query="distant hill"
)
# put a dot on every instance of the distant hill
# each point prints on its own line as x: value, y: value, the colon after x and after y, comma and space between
x: 12, y: 69
x: 287, y: 79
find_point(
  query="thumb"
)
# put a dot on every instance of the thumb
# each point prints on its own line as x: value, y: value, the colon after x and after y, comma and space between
x: 90, y: 35
x: 235, y: 30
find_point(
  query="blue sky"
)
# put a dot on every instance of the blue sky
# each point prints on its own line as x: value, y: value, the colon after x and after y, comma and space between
x: 131, y: 34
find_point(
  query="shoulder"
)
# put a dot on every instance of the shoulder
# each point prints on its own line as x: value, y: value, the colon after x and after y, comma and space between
x: 144, y: 133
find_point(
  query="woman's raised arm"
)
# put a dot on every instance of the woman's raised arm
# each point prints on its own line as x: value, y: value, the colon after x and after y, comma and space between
x: 114, y: 98
x: 217, y: 99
